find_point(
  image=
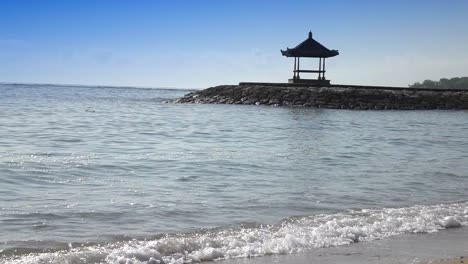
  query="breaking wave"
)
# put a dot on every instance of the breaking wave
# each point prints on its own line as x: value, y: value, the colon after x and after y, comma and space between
x: 296, y: 234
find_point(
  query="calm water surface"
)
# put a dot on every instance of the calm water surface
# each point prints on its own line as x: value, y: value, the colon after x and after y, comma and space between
x: 81, y: 166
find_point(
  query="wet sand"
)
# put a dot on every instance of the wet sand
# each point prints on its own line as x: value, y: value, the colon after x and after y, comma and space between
x: 443, y: 247
x: 459, y: 260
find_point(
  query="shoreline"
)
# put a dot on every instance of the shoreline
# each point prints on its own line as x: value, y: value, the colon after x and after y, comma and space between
x: 332, y: 97
x: 458, y: 260
x: 442, y: 247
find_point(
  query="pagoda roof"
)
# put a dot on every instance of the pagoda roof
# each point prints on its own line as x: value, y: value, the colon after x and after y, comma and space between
x: 309, y: 48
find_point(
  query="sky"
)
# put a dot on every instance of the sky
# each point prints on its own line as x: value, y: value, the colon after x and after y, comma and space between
x: 203, y: 43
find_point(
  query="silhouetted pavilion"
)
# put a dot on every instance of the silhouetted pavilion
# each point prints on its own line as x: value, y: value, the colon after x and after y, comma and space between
x: 309, y: 48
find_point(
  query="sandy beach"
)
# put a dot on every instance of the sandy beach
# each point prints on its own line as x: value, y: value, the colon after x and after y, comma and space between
x: 458, y: 260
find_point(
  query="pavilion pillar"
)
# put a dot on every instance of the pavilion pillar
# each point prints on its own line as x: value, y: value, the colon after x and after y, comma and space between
x: 323, y: 76
x: 294, y: 76
x: 320, y: 69
x: 298, y: 63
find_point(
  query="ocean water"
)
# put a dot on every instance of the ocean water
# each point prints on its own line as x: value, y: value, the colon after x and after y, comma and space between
x: 116, y: 175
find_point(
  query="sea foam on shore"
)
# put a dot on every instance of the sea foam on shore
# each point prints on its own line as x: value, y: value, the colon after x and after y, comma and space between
x: 293, y: 235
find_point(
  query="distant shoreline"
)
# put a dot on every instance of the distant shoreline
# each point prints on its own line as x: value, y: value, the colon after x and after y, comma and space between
x: 94, y: 86
x: 334, y: 96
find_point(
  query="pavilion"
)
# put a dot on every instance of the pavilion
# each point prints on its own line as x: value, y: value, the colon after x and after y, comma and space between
x: 309, y: 48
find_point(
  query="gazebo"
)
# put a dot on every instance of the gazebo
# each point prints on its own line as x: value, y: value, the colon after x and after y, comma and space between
x: 309, y: 48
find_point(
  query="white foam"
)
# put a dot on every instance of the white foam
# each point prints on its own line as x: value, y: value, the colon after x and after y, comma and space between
x: 291, y: 236
x: 451, y: 222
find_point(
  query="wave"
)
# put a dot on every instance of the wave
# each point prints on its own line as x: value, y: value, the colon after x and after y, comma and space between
x: 293, y: 235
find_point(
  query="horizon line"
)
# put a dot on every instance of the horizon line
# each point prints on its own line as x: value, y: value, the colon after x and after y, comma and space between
x: 98, y: 86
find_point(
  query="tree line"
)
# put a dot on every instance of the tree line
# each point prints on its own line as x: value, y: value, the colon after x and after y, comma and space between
x: 444, y: 83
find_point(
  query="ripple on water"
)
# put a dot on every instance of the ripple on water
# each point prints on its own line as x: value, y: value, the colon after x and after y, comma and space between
x: 134, y: 167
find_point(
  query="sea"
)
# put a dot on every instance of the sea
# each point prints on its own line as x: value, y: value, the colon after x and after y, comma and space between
x: 97, y: 174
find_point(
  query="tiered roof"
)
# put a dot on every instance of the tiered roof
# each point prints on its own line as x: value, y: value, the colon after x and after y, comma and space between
x: 310, y: 48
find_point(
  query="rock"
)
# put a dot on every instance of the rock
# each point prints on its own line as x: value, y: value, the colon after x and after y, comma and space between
x: 273, y: 101
x: 338, y: 97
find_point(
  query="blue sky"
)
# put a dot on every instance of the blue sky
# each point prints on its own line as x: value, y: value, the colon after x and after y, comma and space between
x: 197, y: 44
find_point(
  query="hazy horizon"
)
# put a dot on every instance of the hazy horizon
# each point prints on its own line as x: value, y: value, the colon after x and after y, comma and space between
x: 94, y: 85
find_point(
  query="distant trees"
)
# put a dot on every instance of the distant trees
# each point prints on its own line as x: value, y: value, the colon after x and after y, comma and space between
x: 444, y: 83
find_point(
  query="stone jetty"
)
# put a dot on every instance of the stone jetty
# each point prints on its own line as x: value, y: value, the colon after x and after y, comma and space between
x: 332, y: 96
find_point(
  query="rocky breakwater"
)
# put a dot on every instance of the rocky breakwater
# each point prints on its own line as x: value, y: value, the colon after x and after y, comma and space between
x: 335, y: 96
